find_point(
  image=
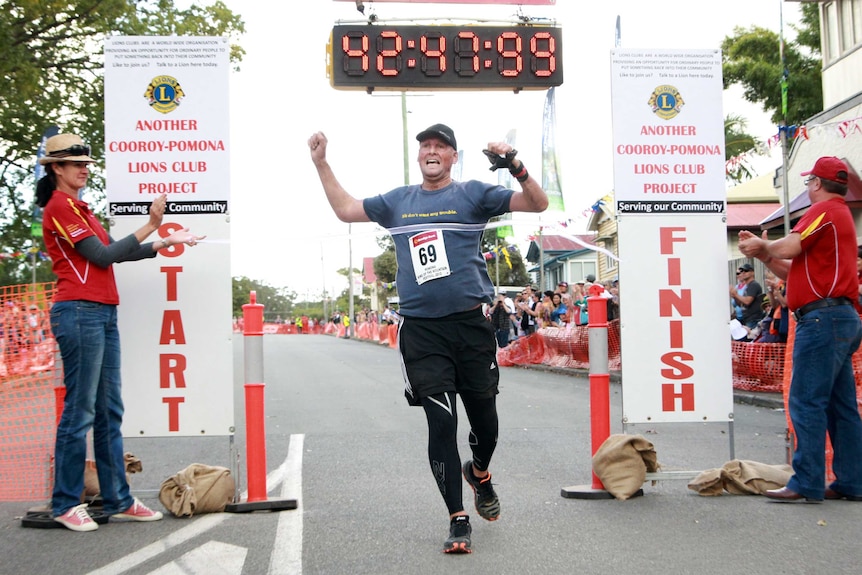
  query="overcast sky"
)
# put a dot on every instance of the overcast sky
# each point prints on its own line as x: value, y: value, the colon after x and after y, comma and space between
x: 283, y: 231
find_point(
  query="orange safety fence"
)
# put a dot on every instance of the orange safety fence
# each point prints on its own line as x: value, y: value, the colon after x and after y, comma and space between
x: 757, y: 366
x: 570, y: 346
x: 27, y: 380
x: 28, y: 376
x: 528, y: 350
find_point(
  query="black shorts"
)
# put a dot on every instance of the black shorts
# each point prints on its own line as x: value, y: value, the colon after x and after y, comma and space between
x: 457, y: 352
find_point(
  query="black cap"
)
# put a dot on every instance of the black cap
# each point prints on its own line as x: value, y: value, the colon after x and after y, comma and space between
x: 441, y: 131
x: 746, y: 268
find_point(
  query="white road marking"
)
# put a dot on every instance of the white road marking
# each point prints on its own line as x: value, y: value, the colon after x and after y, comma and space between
x: 203, y: 524
x: 211, y: 558
x: 286, y: 558
x: 132, y: 560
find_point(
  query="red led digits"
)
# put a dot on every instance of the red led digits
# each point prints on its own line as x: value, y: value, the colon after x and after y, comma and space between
x: 510, y: 62
x: 433, y: 59
x: 408, y: 57
x: 466, y: 54
x: 543, y: 61
x: 355, y: 60
x: 391, y: 56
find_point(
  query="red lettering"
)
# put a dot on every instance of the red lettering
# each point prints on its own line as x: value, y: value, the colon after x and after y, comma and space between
x: 674, y: 271
x: 669, y: 395
x: 679, y: 370
x: 675, y: 333
x: 173, y: 411
x: 172, y: 328
x: 171, y: 273
x: 172, y: 365
x: 668, y: 300
x: 164, y: 231
x: 667, y: 238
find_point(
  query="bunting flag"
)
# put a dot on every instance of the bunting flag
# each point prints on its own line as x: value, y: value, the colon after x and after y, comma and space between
x: 504, y: 178
x: 550, y: 163
x: 25, y: 254
x: 499, y: 251
x: 842, y: 129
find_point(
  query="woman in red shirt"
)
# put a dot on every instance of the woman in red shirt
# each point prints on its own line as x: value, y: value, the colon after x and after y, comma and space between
x: 84, y: 323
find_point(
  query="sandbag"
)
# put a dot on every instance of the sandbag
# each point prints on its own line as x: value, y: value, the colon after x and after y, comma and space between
x: 198, y: 488
x: 91, y: 475
x: 742, y: 477
x: 622, y: 462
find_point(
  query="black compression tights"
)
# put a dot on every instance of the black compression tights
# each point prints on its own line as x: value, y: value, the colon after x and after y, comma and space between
x: 442, y: 415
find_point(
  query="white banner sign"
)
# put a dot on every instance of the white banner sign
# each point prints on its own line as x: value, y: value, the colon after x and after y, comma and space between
x: 167, y: 132
x: 676, y: 362
x: 670, y: 200
x: 668, y: 131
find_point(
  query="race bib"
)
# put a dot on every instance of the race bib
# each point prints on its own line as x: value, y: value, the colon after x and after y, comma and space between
x: 428, y: 252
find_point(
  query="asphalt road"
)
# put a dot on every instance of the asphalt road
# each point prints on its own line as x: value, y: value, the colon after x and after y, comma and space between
x: 342, y: 441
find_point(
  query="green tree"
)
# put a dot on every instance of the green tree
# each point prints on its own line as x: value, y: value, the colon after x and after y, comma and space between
x: 516, y: 275
x: 751, y: 58
x: 53, y: 74
x: 736, y: 142
x: 343, y: 300
x: 385, y: 268
x: 276, y: 301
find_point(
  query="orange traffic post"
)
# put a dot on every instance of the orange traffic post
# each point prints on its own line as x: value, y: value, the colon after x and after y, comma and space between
x: 255, y: 431
x: 600, y: 404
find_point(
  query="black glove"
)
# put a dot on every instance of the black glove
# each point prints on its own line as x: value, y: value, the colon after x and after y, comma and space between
x: 498, y: 161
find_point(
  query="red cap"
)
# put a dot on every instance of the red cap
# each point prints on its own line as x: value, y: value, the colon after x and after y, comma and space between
x: 829, y: 168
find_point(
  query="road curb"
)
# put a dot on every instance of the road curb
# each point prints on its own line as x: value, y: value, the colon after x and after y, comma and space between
x: 758, y: 399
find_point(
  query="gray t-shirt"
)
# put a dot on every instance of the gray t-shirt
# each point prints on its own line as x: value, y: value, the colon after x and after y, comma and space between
x: 438, y: 238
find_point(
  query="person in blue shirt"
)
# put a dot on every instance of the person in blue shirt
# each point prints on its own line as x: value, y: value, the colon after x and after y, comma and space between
x: 559, y: 310
x: 447, y: 346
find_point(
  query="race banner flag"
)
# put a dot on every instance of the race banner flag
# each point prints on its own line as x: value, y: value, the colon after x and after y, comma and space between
x: 505, y: 179
x: 550, y: 162
x: 36, y: 221
x: 458, y: 168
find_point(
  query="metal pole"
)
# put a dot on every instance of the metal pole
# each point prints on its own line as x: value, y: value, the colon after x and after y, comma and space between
x: 349, y: 332
x: 784, y: 186
x: 404, y: 136
x: 783, y: 128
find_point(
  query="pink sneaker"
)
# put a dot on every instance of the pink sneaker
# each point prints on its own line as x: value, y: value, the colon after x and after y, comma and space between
x: 139, y: 512
x: 77, y: 519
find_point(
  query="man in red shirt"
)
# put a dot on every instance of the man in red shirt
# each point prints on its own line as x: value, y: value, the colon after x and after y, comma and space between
x: 817, y: 260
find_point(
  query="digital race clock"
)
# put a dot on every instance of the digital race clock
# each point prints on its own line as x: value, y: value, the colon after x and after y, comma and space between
x: 428, y: 57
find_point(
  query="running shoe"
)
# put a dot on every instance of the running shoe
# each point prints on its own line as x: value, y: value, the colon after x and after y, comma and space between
x: 487, y: 503
x: 77, y: 519
x: 459, y: 535
x: 139, y: 512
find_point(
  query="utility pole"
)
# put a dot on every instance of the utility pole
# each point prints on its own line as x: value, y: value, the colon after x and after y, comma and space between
x: 782, y: 130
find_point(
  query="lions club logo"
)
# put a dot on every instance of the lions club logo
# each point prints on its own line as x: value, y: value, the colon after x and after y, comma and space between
x: 164, y: 94
x: 666, y: 102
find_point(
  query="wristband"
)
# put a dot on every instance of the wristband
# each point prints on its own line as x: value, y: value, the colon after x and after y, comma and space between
x: 520, y: 174
x: 165, y: 243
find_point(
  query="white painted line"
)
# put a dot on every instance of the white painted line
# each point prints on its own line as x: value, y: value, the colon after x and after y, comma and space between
x: 197, y: 527
x: 211, y: 558
x: 132, y: 560
x: 286, y: 558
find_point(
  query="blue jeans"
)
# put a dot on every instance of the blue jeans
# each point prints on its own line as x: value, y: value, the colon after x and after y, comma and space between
x: 823, y: 399
x: 502, y: 337
x: 89, y: 343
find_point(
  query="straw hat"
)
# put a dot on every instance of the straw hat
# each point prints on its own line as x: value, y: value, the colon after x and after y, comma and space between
x: 66, y: 148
